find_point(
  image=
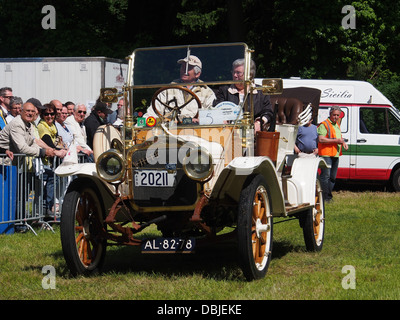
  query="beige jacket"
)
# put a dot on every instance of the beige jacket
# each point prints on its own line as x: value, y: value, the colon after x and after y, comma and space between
x: 18, y: 137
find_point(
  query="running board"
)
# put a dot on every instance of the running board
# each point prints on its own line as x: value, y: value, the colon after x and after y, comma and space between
x: 290, y: 210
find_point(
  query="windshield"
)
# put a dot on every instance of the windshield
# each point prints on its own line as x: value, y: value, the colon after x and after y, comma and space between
x: 156, y: 67
x: 181, y: 83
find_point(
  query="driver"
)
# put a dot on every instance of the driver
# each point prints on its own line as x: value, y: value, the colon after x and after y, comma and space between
x: 190, y: 72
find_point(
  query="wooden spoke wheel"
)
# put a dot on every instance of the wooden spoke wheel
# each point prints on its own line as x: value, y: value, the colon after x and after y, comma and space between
x: 255, y: 228
x: 313, y: 222
x: 82, y: 231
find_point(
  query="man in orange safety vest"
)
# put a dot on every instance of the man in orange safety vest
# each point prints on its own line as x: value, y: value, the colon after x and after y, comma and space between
x: 330, y: 144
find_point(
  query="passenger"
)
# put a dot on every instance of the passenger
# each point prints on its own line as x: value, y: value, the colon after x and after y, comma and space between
x: 15, y: 108
x: 5, y: 95
x: 190, y: 72
x: 263, y: 111
x: 307, y: 141
x: 70, y: 106
x: 330, y: 144
x: 49, y: 135
x: 75, y: 123
x: 97, y: 117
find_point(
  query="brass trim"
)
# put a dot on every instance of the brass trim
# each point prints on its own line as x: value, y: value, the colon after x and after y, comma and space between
x: 119, y: 178
x: 210, y: 169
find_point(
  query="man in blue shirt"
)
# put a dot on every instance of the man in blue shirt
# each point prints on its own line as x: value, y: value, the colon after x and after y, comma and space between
x: 307, y: 140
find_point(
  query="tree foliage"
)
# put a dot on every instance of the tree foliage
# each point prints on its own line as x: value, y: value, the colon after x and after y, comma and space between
x: 291, y: 37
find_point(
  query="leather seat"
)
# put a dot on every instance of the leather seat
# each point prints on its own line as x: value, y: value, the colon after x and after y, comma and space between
x: 288, y: 109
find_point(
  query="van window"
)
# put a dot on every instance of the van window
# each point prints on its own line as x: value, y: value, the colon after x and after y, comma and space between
x: 323, y: 114
x: 378, y: 121
x: 394, y: 124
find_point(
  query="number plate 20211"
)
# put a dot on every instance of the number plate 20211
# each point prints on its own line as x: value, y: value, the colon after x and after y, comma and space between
x: 168, y: 245
x: 154, y: 178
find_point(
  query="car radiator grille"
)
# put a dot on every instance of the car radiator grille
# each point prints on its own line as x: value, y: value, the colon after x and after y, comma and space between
x: 182, y: 193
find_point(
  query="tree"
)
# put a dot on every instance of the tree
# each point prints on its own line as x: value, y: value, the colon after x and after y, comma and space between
x: 290, y: 37
x: 89, y: 27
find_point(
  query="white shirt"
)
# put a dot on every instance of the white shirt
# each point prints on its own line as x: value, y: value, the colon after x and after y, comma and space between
x: 9, y: 118
x: 78, y: 131
x: 66, y: 134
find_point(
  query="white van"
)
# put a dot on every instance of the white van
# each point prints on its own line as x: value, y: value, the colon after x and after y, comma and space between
x: 370, y: 126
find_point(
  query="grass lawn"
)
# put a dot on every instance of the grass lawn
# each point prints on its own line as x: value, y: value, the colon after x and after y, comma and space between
x: 362, y: 235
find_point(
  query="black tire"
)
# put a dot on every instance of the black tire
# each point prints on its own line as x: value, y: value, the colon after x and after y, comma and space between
x: 395, y: 181
x: 255, y: 228
x: 82, y: 228
x: 313, y: 222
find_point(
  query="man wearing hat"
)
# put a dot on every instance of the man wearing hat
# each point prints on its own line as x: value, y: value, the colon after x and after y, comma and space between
x: 190, y: 71
x: 97, y: 118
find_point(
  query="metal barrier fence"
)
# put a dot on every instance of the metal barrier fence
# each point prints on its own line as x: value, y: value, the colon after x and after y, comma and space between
x: 22, y: 193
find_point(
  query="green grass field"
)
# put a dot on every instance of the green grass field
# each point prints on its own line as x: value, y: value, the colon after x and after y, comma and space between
x: 362, y: 231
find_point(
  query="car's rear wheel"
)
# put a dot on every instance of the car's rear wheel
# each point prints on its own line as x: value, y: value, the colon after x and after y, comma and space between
x: 255, y: 228
x: 82, y: 230
x: 313, y: 222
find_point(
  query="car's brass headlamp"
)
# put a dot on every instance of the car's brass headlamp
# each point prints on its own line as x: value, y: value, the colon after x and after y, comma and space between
x: 198, y: 164
x: 110, y: 166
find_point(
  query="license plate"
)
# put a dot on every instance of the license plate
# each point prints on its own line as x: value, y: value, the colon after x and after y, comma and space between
x: 168, y: 245
x: 154, y: 178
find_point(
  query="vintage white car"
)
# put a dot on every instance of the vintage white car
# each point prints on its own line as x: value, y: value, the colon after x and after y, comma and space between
x: 193, y: 169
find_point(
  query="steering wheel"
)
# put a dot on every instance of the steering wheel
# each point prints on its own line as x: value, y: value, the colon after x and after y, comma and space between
x: 173, y: 110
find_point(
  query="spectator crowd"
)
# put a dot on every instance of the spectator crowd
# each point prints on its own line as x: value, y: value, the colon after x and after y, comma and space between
x: 45, y: 131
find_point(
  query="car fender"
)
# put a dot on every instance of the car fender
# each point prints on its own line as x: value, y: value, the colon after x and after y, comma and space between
x: 87, y: 171
x: 304, y: 180
x: 232, y: 178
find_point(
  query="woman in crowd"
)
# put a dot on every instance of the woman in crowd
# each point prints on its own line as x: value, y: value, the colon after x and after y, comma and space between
x: 49, y: 134
x: 63, y: 130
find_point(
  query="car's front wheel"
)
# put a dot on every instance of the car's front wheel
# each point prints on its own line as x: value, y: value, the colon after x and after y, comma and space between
x: 255, y: 228
x: 82, y: 230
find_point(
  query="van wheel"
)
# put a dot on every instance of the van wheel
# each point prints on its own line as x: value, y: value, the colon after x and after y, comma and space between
x: 396, y: 180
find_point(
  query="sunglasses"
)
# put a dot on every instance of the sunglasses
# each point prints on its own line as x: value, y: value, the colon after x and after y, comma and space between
x: 80, y: 111
x: 48, y: 114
